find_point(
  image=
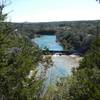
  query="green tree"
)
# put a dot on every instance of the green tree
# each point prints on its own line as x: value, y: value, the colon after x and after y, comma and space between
x: 92, y: 58
x: 84, y: 84
x: 17, y: 58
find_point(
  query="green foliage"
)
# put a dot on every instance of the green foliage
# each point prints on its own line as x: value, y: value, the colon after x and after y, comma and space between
x: 92, y: 58
x: 18, y: 56
x: 82, y: 85
x: 51, y: 93
x: 70, y: 41
x: 78, y: 35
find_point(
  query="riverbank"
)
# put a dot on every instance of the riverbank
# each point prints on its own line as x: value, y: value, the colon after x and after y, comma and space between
x: 67, y: 60
x: 62, y: 66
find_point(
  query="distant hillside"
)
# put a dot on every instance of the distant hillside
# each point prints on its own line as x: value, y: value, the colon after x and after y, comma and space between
x: 74, y: 36
x: 30, y: 28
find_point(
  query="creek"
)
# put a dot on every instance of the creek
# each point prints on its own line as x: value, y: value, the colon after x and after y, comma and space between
x: 62, y: 64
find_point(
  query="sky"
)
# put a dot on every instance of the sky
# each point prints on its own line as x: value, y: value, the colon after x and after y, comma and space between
x: 52, y: 10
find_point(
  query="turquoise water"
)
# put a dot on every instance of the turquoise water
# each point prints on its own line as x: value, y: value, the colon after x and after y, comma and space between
x: 62, y: 64
x: 61, y: 68
x: 48, y: 41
